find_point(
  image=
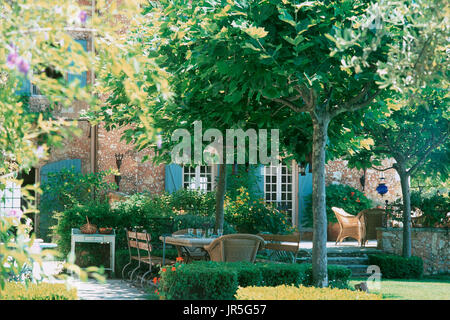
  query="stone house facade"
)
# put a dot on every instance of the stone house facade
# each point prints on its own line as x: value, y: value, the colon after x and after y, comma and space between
x: 95, y: 149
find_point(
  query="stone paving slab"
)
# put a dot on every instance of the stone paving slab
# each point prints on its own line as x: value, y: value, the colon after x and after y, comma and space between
x: 111, y: 290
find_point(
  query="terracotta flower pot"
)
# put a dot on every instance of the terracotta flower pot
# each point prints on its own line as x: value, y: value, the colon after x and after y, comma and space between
x: 333, y: 231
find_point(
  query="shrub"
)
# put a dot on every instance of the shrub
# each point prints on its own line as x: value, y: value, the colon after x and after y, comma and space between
x: 286, y: 292
x: 338, y: 276
x: 198, y: 281
x: 193, y: 202
x: 274, y: 274
x: 397, y: 267
x: 338, y: 195
x: 242, y: 274
x: 41, y: 291
x: 251, y: 215
x: 434, y: 209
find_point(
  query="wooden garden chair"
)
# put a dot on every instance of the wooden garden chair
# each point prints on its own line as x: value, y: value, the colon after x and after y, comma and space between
x: 140, y: 241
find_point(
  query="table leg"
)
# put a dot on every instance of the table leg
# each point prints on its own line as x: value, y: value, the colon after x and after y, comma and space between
x: 112, y: 247
x: 72, y: 253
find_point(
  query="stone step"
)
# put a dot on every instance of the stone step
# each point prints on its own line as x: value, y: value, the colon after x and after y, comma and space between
x: 345, y: 252
x: 339, y: 260
x: 359, y: 270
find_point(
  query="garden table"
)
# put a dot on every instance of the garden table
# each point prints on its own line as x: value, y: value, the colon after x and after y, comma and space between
x: 78, y: 236
x: 185, y: 241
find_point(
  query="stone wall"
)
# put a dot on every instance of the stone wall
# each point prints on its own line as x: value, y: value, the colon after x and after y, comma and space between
x: 431, y: 244
x: 339, y: 173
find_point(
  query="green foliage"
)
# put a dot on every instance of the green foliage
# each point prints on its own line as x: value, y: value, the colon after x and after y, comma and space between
x: 252, y: 215
x: 40, y: 291
x: 199, y: 222
x: 342, y: 196
x: 191, y: 281
x: 274, y: 274
x: 193, y: 202
x: 198, y: 281
x: 338, y: 276
x: 397, y: 267
x: 434, y: 208
x: 66, y: 188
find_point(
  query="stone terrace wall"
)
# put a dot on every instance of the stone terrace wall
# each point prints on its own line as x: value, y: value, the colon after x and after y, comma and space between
x: 431, y: 244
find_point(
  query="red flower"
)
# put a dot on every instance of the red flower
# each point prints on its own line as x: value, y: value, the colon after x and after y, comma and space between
x: 163, y: 269
x: 345, y: 199
x: 353, y: 193
x: 173, y: 268
x: 179, y: 259
x: 357, y: 200
x: 155, y: 280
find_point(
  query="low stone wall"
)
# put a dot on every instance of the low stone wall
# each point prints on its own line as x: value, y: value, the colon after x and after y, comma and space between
x: 431, y: 244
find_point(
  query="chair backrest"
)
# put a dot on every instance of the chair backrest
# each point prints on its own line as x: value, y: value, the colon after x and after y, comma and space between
x: 346, y: 219
x: 235, y: 247
x: 282, y: 242
x: 139, y: 241
x: 373, y: 218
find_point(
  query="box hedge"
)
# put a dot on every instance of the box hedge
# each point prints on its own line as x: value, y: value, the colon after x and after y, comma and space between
x: 215, y: 280
x: 397, y: 267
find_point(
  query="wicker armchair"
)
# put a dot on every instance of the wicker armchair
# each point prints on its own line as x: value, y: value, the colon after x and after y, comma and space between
x: 235, y: 247
x: 373, y: 219
x: 351, y: 226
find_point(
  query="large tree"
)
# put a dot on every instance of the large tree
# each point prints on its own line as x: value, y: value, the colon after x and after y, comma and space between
x: 417, y: 139
x: 250, y: 58
x: 36, y: 44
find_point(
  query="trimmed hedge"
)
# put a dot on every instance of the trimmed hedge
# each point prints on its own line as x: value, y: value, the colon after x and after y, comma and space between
x: 397, y: 267
x: 284, y: 292
x: 41, y: 291
x: 215, y: 280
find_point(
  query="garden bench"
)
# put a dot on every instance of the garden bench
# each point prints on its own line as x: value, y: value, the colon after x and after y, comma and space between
x: 140, y: 241
x: 283, y: 247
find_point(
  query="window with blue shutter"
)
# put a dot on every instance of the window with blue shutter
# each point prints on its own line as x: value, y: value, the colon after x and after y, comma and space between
x: 46, y: 220
x: 173, y: 177
x: 304, y: 190
x: 82, y: 78
x: 24, y: 87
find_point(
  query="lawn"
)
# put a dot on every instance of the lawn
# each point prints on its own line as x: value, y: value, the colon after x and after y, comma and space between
x: 428, y: 288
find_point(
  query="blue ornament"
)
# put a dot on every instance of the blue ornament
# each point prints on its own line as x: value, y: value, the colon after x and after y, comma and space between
x: 382, y: 189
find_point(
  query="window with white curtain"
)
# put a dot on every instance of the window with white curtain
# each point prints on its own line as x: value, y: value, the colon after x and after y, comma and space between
x: 198, y: 178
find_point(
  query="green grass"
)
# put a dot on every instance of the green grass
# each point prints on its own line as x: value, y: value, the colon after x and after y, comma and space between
x: 427, y: 288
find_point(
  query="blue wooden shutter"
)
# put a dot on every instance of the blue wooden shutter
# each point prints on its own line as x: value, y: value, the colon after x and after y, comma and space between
x: 304, y: 190
x: 46, y: 220
x: 174, y: 177
x: 83, y: 76
x: 24, y: 87
x: 258, y: 172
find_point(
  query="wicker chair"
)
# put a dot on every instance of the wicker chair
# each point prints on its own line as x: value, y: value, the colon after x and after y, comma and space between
x: 373, y: 219
x: 351, y: 226
x: 235, y: 247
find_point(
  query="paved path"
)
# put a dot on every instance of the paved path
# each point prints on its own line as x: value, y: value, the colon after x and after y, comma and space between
x: 111, y: 290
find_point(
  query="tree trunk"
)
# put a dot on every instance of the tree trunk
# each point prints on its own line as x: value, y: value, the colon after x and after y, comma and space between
x: 220, y: 195
x: 319, y: 251
x: 404, y: 180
